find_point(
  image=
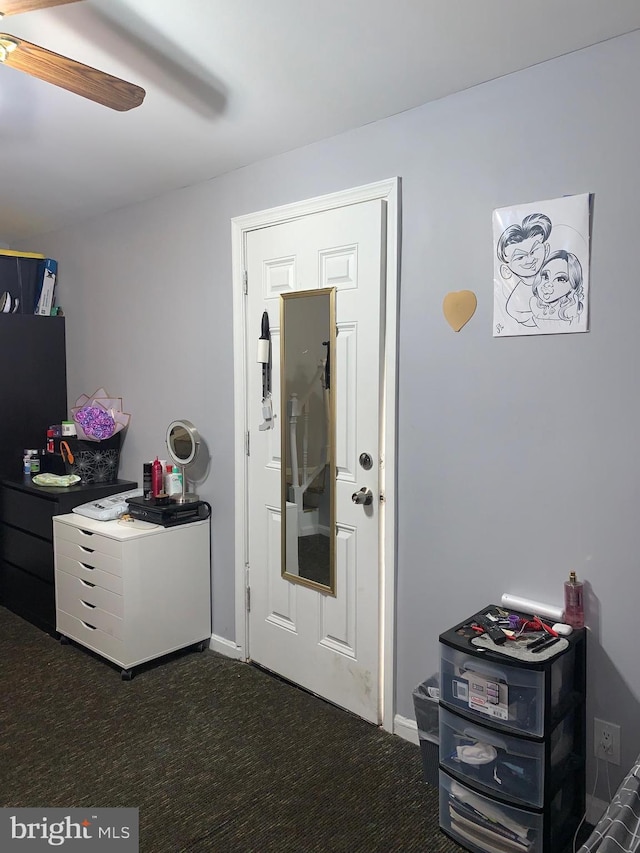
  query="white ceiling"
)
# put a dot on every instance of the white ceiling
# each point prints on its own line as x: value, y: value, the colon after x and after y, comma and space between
x: 230, y: 82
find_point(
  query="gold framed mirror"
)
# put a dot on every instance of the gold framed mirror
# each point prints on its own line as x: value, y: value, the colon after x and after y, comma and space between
x: 307, y: 388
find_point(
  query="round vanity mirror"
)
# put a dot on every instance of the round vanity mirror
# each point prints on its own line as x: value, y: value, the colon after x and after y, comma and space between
x: 183, y: 444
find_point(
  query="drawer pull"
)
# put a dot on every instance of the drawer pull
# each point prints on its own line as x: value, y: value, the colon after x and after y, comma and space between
x: 87, y: 532
x: 86, y: 583
x: 88, y: 567
x: 86, y: 604
x: 87, y: 550
x: 86, y: 625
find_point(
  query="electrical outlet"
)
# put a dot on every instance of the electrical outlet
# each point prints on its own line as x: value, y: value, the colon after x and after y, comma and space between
x: 606, y: 741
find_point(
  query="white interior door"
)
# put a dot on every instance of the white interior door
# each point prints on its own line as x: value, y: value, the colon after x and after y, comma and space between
x: 329, y: 645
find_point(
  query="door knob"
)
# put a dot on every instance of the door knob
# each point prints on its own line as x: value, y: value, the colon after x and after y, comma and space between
x: 364, y: 497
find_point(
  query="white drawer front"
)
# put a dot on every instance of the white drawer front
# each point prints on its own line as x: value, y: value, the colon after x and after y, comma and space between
x: 106, y: 580
x: 94, y: 541
x: 70, y: 587
x: 92, y: 616
x: 93, y: 638
x: 85, y: 554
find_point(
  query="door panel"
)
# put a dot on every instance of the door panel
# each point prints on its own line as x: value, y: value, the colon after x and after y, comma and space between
x: 327, y: 644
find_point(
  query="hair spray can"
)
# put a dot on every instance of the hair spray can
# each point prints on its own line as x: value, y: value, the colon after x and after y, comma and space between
x: 147, y: 490
x: 157, y: 486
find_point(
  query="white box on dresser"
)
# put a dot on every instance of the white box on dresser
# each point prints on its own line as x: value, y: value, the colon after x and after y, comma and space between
x: 132, y: 591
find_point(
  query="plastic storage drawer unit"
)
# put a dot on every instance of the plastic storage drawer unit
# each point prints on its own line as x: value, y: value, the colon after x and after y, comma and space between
x: 511, y: 767
x: 481, y: 824
x: 512, y: 740
x: 484, y: 825
x: 506, y: 694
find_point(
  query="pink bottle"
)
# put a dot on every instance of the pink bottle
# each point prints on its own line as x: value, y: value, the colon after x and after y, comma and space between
x: 574, y: 602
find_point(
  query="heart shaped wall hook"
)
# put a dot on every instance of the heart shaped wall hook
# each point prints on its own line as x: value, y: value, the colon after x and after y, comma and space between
x: 459, y: 307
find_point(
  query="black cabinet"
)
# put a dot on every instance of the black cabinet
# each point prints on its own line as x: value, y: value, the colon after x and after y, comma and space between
x: 33, y: 391
x: 26, y: 542
x: 33, y: 385
x: 512, y: 741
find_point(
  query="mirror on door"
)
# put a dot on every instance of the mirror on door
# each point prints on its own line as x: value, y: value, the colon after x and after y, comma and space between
x: 308, y: 332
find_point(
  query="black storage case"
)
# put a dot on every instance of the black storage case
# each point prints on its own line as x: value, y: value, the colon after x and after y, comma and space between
x: 168, y: 514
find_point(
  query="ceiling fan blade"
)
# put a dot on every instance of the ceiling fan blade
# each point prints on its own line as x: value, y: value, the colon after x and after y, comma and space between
x: 71, y: 75
x: 16, y: 7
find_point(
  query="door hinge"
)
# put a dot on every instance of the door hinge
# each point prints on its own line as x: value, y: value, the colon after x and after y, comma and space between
x: 245, y: 282
x: 248, y: 447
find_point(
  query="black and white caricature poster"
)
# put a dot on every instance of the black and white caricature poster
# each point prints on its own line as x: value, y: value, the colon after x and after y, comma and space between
x: 541, y: 267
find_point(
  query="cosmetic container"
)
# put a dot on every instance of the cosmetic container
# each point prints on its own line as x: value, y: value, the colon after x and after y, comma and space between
x: 147, y: 486
x: 157, y: 484
x: 173, y: 480
x: 574, y: 602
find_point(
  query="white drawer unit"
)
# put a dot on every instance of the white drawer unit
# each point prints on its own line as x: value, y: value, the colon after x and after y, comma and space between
x: 132, y: 591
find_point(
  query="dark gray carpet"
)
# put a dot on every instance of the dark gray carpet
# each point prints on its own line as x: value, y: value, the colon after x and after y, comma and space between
x: 218, y: 756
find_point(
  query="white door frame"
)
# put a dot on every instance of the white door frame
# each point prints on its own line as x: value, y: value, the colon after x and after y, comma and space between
x: 389, y: 192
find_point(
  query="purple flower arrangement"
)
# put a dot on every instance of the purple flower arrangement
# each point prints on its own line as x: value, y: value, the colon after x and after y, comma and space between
x: 96, y: 422
x: 99, y: 416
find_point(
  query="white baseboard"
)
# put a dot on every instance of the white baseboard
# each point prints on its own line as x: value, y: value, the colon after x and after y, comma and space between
x: 225, y: 647
x: 405, y: 728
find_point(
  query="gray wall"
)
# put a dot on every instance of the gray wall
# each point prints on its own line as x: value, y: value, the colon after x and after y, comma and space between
x: 518, y: 458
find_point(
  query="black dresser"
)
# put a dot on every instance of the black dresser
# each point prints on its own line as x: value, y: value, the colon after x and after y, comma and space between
x: 26, y: 542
